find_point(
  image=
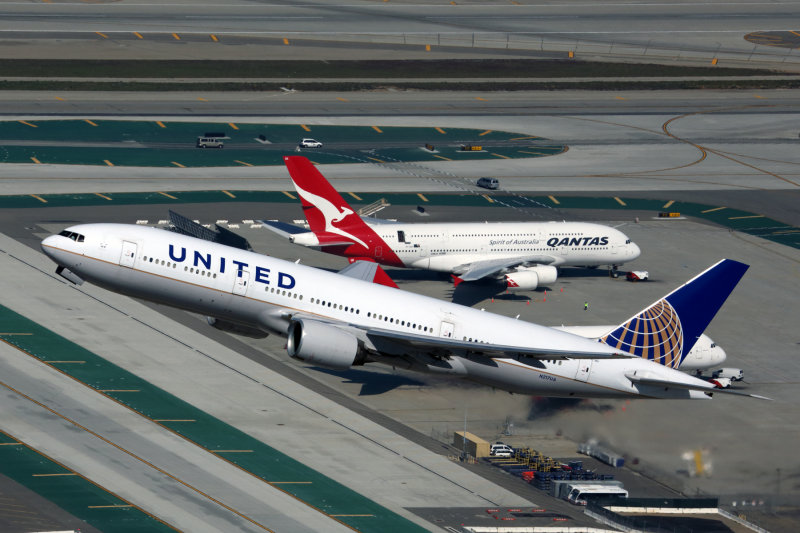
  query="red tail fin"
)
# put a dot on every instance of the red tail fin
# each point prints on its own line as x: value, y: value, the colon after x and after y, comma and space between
x: 325, y: 209
x: 331, y: 218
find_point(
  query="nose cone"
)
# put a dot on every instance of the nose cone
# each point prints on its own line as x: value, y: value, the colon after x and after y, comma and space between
x: 49, y: 246
x: 718, y: 355
x: 634, y: 251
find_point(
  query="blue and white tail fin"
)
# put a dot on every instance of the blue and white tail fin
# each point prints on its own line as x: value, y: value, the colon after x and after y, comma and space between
x: 668, y: 329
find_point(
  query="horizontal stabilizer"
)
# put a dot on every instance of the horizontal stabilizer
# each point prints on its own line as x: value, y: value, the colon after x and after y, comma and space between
x: 284, y: 229
x: 701, y: 386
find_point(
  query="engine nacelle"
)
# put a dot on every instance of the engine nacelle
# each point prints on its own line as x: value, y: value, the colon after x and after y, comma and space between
x: 233, y: 327
x: 527, y: 279
x: 324, y: 345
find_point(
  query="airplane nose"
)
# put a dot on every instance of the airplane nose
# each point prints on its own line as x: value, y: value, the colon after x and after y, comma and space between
x: 47, y: 244
x: 634, y: 250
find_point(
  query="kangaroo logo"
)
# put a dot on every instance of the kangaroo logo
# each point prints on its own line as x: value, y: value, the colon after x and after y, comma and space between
x: 655, y: 334
x: 331, y: 213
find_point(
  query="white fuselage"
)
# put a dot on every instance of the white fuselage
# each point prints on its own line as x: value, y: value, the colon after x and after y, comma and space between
x: 445, y: 247
x: 265, y: 293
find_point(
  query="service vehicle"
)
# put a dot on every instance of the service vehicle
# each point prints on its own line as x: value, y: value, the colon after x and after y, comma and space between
x: 581, y: 494
x: 210, y: 142
x: 488, y: 183
x: 637, y: 275
x: 501, y: 450
x: 734, y: 374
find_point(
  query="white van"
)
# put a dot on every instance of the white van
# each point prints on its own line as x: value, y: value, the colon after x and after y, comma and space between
x: 581, y: 494
x: 210, y: 142
x: 501, y: 450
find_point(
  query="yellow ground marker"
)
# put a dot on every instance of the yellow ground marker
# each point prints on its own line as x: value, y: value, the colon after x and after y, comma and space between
x: 440, y: 130
x: 714, y: 61
x: 118, y: 390
x: 533, y: 153
x: 168, y: 195
x: 233, y: 126
x: 442, y: 157
x: 285, y: 40
x: 178, y: 164
x: 354, y: 195
x: 484, y: 133
x: 481, y: 99
x: 108, y: 163
x: 55, y: 475
x: 200, y: 98
x: 422, y: 197
x: 759, y: 96
x: 290, y: 195
x: 28, y: 123
x: 501, y: 156
x: 230, y: 194
x: 36, y: 160
x: 342, y: 99
x: 160, y: 124
x: 101, y: 34
x: 794, y: 32
x: 352, y: 515
x: 620, y: 98
x: 289, y: 482
x: 214, y: 38
x: 488, y: 198
x: 138, y: 35
x: 120, y: 506
x: 103, y: 196
x: 666, y: 205
x: 89, y: 122
x: 553, y: 199
x: 174, y: 420
x: 67, y: 362
x: 60, y: 99
x: 176, y: 36
x: 305, y: 127
x: 10, y: 444
x: 376, y: 128
x: 242, y: 163
x: 524, y: 138
x: 749, y: 216
x: 376, y: 160
x: 39, y: 198
x: 713, y: 209
x: 619, y: 201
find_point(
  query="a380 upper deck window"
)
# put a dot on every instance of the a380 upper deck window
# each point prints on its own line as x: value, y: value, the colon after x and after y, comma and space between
x: 77, y: 237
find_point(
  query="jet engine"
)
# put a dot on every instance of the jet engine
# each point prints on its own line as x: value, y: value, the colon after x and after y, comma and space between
x: 321, y: 344
x: 527, y: 279
x: 233, y: 327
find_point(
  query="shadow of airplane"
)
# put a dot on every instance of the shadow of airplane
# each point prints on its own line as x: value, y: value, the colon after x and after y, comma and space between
x: 372, y: 383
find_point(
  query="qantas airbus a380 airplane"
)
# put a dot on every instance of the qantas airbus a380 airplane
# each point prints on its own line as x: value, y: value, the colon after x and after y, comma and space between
x: 523, y: 255
x: 338, y: 320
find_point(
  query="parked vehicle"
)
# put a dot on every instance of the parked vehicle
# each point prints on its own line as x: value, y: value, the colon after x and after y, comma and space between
x: 637, y: 275
x: 734, y: 374
x: 501, y: 450
x: 581, y: 494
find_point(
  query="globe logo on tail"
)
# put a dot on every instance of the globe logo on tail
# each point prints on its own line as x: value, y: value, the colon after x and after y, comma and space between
x: 655, y: 334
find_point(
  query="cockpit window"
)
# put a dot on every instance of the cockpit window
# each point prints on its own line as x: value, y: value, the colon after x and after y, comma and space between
x: 627, y: 241
x: 77, y: 237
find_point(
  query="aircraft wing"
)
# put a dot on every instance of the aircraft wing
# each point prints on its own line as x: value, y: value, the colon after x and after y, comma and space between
x: 480, y: 269
x: 444, y: 347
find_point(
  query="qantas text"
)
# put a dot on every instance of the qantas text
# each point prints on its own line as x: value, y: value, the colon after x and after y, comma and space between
x: 578, y: 241
x: 261, y: 274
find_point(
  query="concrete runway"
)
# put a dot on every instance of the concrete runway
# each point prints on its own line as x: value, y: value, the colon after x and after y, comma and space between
x: 653, y: 31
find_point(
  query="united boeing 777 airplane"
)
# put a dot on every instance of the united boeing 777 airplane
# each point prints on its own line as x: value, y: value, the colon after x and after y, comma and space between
x: 338, y: 320
x: 522, y: 255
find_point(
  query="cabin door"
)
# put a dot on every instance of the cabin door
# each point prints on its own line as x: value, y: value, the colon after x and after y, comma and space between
x: 128, y: 254
x: 584, y: 369
x: 240, y: 282
x: 447, y: 330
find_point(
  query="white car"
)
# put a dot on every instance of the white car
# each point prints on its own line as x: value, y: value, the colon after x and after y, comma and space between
x: 501, y: 450
x: 310, y: 143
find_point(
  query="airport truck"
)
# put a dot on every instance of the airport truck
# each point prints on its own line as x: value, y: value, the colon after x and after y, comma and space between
x: 581, y: 493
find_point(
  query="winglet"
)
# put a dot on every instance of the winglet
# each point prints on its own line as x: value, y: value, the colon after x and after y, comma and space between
x: 368, y: 271
x: 456, y: 280
x: 666, y: 331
